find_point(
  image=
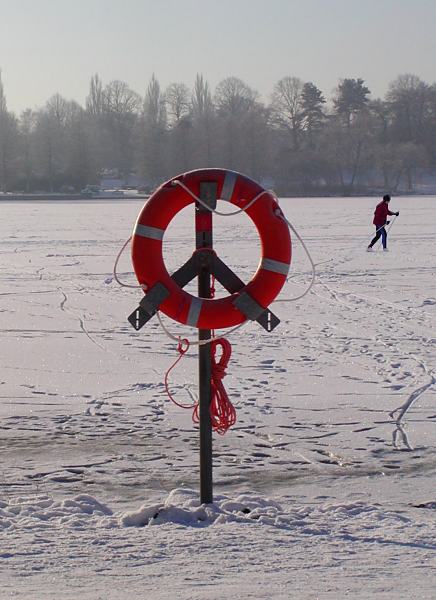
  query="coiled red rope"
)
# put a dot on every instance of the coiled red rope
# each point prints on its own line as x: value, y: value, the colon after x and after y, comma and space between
x: 222, y: 411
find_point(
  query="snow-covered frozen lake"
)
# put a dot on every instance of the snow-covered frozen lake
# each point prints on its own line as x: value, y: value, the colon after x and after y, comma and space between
x: 322, y: 490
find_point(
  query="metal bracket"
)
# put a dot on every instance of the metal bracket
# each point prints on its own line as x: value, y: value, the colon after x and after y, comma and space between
x: 255, y: 312
x: 148, y: 306
x: 158, y: 293
x: 229, y: 280
x: 244, y: 302
x: 186, y: 273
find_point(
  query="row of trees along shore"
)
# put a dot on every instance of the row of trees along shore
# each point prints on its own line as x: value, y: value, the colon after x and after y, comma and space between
x: 297, y: 141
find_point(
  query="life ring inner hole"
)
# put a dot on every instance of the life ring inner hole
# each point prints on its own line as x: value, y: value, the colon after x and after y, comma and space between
x: 236, y: 241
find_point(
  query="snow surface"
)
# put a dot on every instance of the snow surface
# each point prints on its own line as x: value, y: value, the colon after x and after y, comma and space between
x: 325, y: 488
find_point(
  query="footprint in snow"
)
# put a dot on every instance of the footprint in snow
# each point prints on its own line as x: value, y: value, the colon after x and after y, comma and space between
x: 429, y: 302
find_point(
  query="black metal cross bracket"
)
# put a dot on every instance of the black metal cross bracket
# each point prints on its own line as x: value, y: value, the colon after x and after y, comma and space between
x: 230, y: 281
x: 148, y: 306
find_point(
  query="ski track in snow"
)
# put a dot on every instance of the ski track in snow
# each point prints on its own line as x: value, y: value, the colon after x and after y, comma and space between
x: 325, y: 469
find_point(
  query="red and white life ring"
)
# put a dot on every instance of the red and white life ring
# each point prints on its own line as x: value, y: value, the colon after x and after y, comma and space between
x: 170, y: 199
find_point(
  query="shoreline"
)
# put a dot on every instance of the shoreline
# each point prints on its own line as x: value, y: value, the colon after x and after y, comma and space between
x: 67, y: 198
x: 84, y: 199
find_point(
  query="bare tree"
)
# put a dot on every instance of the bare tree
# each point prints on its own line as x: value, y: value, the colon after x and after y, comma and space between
x: 80, y: 166
x: 3, y: 135
x: 94, y: 100
x: 120, y: 115
x: 177, y: 100
x: 201, y: 99
x: 26, y: 129
x: 180, y: 132
x: 287, y: 108
x: 3, y: 106
x: 234, y: 100
x: 203, y: 121
x: 410, y: 102
x: 398, y: 161
x: 47, y: 152
x: 8, y: 140
x: 154, y: 104
x: 234, y: 97
x: 381, y: 111
x: 349, y: 148
x: 57, y: 107
x: 154, y: 124
x: 119, y: 99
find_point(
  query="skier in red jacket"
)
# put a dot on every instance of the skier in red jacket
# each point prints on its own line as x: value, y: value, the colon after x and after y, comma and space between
x: 380, y: 220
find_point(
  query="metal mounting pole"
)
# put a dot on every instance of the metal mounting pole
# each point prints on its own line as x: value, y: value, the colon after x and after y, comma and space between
x: 203, y: 229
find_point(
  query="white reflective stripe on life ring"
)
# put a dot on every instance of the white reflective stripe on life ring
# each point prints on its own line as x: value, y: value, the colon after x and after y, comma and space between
x: 149, y: 232
x: 275, y: 266
x: 194, y: 311
x: 228, y: 185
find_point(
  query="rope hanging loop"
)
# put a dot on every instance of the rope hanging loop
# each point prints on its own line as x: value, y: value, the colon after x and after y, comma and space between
x: 182, y: 348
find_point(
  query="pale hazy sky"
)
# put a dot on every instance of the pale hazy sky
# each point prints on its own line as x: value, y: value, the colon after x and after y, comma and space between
x: 49, y: 46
